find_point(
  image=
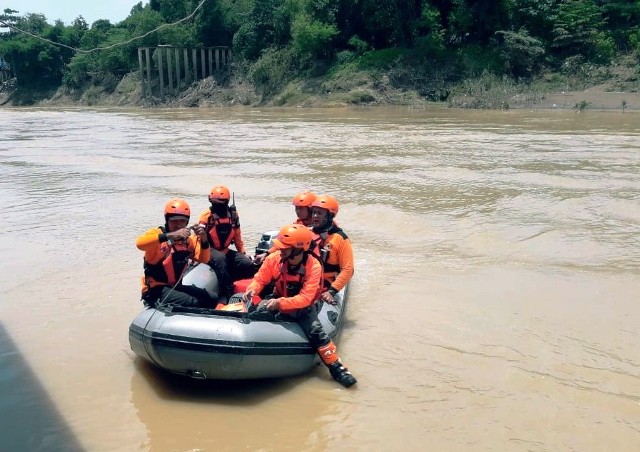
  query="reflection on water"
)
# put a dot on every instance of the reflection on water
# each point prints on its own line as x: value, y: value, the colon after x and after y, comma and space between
x: 227, y: 415
x: 494, y: 303
x: 30, y: 421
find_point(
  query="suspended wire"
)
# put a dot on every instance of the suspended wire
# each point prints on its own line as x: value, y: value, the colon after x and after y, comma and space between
x: 96, y: 49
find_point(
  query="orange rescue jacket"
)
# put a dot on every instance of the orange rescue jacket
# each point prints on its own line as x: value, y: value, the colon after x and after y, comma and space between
x: 222, y: 231
x: 337, y: 254
x: 165, y: 261
x: 295, y: 291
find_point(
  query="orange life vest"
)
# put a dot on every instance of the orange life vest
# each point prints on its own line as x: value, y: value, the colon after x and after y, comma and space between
x: 289, y: 284
x: 221, y: 231
x: 320, y: 247
x: 169, y: 269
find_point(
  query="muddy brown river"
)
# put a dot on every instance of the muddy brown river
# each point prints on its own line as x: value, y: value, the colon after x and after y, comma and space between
x: 495, y: 303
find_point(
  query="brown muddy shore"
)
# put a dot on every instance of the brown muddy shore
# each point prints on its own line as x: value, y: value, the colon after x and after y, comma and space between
x: 314, y: 94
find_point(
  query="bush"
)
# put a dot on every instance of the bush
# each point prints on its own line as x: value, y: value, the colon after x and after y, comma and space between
x: 521, y: 52
x: 381, y: 59
x: 358, y: 45
x: 346, y: 56
x: 360, y: 97
x: 603, y: 49
x: 474, y: 61
x: 311, y: 38
x: 273, y: 71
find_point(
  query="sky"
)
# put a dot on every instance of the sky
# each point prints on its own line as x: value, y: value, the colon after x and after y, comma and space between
x: 68, y: 10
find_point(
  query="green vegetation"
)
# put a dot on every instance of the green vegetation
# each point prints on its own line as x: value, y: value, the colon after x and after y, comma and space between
x: 486, y: 50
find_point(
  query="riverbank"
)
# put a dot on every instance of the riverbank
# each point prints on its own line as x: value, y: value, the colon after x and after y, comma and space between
x: 615, y: 87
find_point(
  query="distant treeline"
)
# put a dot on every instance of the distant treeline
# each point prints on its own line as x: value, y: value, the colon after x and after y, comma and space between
x: 277, y: 39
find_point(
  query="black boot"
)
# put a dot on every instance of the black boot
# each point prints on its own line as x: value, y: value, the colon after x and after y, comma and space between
x: 342, y: 375
x: 225, y: 294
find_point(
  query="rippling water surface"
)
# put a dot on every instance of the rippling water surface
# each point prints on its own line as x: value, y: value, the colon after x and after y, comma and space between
x: 494, y: 305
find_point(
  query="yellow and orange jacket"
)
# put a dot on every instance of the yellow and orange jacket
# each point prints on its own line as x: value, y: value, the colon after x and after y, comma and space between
x: 164, y: 262
x: 222, y: 231
x: 335, y: 248
x: 308, y: 280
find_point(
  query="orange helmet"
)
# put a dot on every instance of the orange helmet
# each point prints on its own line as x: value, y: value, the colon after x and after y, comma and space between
x: 177, y: 206
x: 304, y: 199
x: 293, y: 236
x: 220, y: 192
x: 327, y: 202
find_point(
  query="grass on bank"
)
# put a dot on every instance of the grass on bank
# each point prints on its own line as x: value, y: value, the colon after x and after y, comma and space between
x: 469, y: 79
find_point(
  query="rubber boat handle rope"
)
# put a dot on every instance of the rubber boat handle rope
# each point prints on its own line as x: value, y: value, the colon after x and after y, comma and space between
x: 184, y: 271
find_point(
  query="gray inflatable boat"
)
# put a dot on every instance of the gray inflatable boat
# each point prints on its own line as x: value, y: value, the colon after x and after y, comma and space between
x: 227, y: 344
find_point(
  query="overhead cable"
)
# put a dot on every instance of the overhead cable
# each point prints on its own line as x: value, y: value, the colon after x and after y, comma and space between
x: 96, y: 49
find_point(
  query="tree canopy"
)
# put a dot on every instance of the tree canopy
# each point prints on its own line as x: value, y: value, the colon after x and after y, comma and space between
x: 516, y: 37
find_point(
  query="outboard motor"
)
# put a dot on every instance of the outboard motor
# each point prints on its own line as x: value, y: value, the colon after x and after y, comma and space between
x: 266, y: 242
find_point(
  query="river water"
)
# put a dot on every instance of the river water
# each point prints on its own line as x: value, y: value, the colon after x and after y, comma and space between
x: 495, y: 303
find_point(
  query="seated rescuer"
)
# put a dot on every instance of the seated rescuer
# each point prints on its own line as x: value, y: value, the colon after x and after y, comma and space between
x: 167, y: 250
x: 222, y: 224
x: 302, y: 202
x: 333, y: 245
x: 297, y: 275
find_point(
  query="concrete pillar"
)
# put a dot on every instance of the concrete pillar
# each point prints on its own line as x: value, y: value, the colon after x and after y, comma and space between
x: 159, y: 52
x: 187, y: 75
x: 194, y: 58
x: 144, y: 93
x: 169, y: 70
x: 177, y: 55
x: 148, y: 60
x: 202, y: 63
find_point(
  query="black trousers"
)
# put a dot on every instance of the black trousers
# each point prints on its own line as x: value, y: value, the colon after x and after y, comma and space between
x: 168, y: 296
x: 308, y: 320
x: 231, y: 267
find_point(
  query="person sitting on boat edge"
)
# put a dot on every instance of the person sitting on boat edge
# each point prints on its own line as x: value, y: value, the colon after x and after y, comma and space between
x: 222, y: 224
x: 302, y: 202
x: 333, y: 245
x: 297, y: 274
x: 167, y: 250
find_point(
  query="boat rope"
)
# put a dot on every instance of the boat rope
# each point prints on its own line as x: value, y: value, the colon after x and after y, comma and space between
x: 112, y: 46
x: 161, y: 304
x: 191, y: 265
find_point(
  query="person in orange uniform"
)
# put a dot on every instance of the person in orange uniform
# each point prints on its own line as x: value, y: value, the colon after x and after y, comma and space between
x: 167, y: 250
x: 297, y: 275
x: 223, y: 228
x: 302, y: 202
x: 333, y: 245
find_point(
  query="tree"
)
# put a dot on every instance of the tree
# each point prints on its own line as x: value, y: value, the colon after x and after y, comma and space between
x: 268, y: 25
x: 623, y: 19
x: 311, y: 39
x: 520, y: 52
x: 578, y: 29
